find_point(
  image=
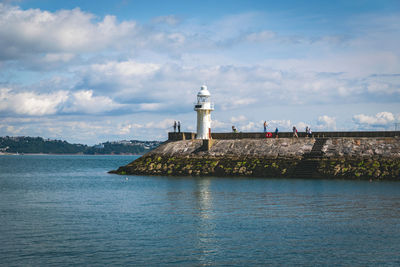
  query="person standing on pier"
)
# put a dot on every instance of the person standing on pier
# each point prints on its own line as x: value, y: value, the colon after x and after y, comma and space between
x: 174, y: 126
x: 295, y: 132
x: 265, y: 126
x: 179, y: 126
x: 276, y: 132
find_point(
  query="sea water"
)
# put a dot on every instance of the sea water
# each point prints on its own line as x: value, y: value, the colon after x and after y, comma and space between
x: 68, y: 211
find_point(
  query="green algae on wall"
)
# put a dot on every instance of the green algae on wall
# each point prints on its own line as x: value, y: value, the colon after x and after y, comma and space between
x: 217, y: 166
x: 379, y: 168
x: 368, y: 168
x: 343, y: 158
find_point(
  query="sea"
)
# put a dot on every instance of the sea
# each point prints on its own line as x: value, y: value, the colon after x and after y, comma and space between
x: 68, y: 211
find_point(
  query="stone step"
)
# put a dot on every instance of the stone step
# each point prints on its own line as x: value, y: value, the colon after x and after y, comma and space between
x: 306, y: 168
x: 317, y: 147
x: 308, y: 165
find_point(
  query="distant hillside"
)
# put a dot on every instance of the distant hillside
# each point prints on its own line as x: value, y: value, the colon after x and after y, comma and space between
x: 23, y: 144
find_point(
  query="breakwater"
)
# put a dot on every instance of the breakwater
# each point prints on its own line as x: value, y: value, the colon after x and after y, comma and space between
x: 257, y: 135
x: 327, y: 157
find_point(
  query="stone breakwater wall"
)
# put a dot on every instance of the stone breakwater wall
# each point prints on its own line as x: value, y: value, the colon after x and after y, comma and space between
x: 349, y: 158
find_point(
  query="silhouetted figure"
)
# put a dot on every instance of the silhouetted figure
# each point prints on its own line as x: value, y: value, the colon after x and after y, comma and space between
x: 179, y: 126
x: 276, y: 132
x: 174, y: 126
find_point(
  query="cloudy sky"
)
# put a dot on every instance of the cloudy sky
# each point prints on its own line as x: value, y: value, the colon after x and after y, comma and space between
x: 92, y: 71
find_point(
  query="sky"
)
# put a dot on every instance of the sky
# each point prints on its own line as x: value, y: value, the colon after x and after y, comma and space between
x: 95, y: 71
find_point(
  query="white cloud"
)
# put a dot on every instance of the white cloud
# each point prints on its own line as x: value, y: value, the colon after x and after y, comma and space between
x: 170, y: 20
x: 124, y: 129
x: 36, y: 31
x: 29, y: 103
x: 383, y: 84
x: 242, y: 102
x: 54, y: 57
x: 301, y: 126
x: 12, y: 130
x: 249, y: 127
x: 59, y: 102
x: 85, y: 102
x: 34, y: 36
x: 126, y: 78
x: 326, y: 123
x: 219, y: 125
x: 282, y: 125
x: 240, y: 118
x: 150, y: 106
x: 377, y: 87
x: 380, y: 119
x: 123, y: 68
x: 165, y: 124
x: 260, y: 36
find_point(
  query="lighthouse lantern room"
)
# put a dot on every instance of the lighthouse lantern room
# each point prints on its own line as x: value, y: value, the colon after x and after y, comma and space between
x: 203, y: 107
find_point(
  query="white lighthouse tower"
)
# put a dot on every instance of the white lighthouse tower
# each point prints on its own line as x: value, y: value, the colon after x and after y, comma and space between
x: 203, y: 108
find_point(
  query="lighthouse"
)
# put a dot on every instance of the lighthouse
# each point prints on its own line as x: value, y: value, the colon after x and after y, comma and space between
x: 203, y: 107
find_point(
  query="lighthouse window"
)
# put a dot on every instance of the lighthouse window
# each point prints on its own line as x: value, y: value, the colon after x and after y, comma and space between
x: 202, y: 99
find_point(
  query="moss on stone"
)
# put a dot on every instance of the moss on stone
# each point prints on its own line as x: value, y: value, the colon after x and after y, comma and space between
x: 375, y: 164
x: 357, y: 168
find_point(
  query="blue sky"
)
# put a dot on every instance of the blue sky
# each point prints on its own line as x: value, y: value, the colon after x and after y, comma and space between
x: 92, y: 71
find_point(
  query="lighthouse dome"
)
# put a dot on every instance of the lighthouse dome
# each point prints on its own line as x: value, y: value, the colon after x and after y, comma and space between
x: 203, y: 91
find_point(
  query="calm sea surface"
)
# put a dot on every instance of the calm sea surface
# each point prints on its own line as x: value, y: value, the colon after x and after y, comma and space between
x: 67, y: 211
